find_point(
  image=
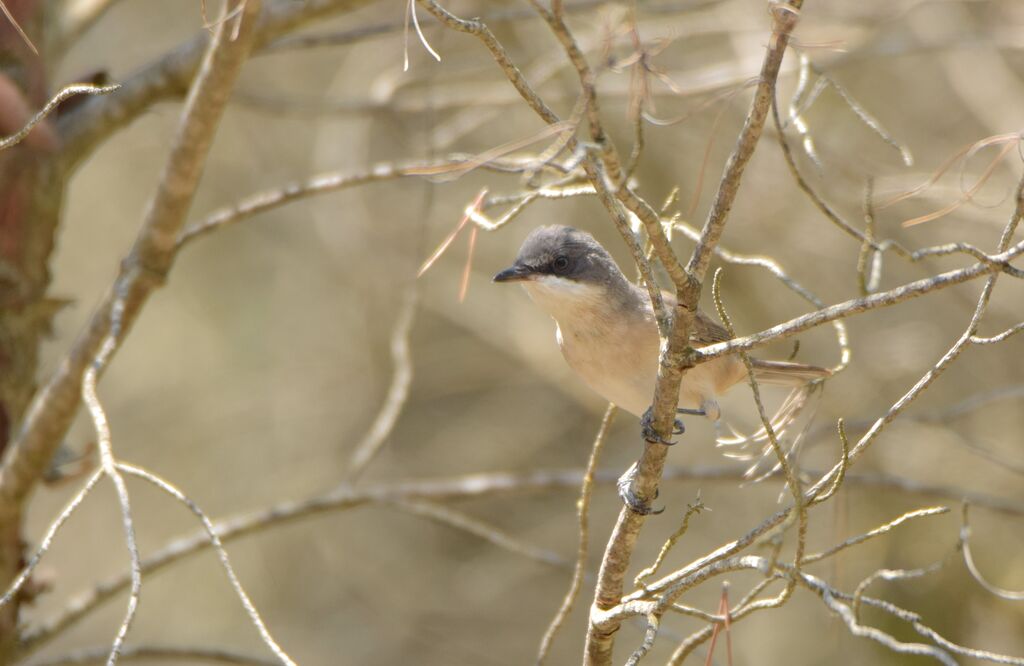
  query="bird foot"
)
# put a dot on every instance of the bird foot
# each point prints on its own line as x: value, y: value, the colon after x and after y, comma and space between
x: 635, y: 503
x: 691, y: 412
x: 651, y: 435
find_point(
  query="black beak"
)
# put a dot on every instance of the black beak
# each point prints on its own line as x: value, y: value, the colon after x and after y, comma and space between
x: 516, y: 273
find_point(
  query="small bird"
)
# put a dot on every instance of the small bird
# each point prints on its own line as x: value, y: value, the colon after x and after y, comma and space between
x: 608, y: 333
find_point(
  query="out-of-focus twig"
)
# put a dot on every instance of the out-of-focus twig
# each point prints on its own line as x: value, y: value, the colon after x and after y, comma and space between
x: 443, y: 515
x: 397, y: 393
x: 965, y: 548
x: 72, y: 18
x: 583, y: 511
x: 170, y: 75
x: 333, y: 181
x: 148, y: 653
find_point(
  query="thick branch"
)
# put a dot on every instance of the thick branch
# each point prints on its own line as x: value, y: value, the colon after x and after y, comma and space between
x: 784, y: 20
x: 170, y: 75
x: 675, y: 357
x: 143, y: 270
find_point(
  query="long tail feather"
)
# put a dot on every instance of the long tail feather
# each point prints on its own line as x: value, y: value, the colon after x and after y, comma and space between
x: 785, y: 373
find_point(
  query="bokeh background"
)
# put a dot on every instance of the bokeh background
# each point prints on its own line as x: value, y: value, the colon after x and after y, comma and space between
x: 250, y: 378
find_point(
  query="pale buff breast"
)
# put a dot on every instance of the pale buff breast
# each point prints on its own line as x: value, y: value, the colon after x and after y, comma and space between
x: 616, y: 352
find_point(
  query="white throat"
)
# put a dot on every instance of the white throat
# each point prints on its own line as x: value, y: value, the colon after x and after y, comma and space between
x: 564, y: 299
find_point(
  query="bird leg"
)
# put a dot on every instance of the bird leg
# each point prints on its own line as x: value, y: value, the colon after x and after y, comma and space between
x: 651, y: 435
x: 635, y: 503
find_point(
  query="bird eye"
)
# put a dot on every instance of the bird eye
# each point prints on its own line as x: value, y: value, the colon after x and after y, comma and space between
x: 560, y: 264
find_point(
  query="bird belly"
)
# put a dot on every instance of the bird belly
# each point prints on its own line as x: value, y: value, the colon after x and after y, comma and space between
x: 625, y: 373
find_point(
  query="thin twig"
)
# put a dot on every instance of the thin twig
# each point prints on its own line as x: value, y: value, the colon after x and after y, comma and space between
x: 108, y: 466
x: 691, y: 510
x: 858, y: 305
x: 583, y: 512
x: 448, y: 517
x: 972, y: 568
x: 222, y: 555
x: 464, y: 487
x: 65, y: 93
x: 332, y: 181
x: 878, y: 531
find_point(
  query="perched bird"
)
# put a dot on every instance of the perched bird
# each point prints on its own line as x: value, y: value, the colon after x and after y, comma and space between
x: 608, y: 333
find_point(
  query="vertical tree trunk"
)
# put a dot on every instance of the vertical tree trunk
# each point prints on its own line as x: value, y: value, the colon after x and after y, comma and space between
x: 31, y: 193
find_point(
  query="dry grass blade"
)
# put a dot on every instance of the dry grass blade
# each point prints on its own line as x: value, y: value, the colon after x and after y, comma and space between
x: 410, y: 12
x: 467, y: 269
x: 17, y: 28
x: 723, y: 610
x: 969, y: 194
x: 446, y: 243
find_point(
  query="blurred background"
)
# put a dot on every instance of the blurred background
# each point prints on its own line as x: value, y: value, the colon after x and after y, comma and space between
x: 252, y: 376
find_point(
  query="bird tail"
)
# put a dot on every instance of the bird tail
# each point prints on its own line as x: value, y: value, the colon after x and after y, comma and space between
x: 803, y: 382
x: 785, y: 373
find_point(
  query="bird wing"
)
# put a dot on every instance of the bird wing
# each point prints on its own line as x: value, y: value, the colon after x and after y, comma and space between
x: 706, y: 331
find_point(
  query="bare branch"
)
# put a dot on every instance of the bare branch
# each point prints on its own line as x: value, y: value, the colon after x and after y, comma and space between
x: 47, y: 540
x: 108, y: 466
x: 457, y: 488
x: 958, y: 347
x: 859, y: 305
x: 784, y: 18
x: 143, y: 271
x: 480, y: 30
x: 857, y: 629
x: 333, y: 181
x: 1013, y: 330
